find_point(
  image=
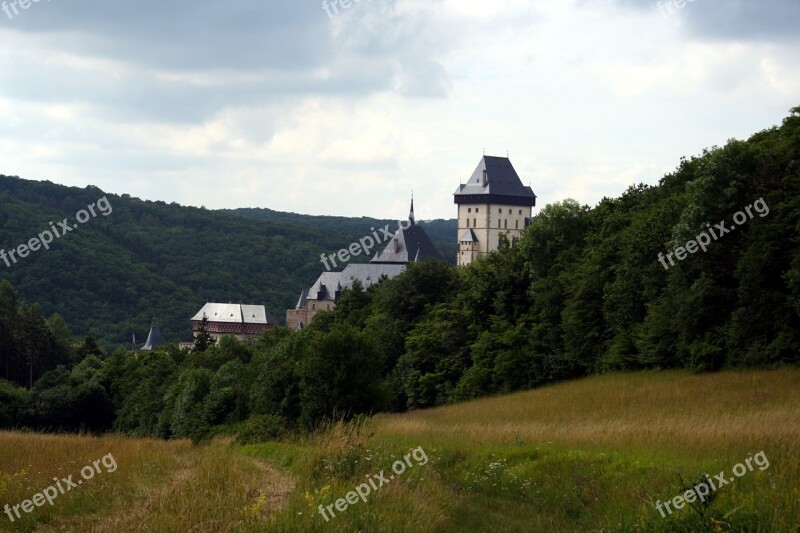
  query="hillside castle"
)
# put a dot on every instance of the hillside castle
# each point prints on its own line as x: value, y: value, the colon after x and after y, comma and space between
x: 492, y: 202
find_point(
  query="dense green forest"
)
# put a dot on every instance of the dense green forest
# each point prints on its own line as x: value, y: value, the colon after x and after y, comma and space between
x: 441, y: 232
x: 147, y: 261
x: 584, y: 291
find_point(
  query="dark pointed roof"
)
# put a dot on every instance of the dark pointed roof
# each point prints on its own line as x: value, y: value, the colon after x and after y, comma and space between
x: 410, y: 244
x: 154, y: 339
x: 495, y: 182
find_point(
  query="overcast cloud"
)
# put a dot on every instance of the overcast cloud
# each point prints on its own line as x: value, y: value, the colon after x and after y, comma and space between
x: 264, y: 103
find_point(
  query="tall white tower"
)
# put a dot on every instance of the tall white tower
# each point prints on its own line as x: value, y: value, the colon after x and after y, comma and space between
x: 493, y: 201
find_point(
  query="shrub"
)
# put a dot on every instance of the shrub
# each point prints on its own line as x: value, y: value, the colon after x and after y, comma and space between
x: 706, y: 357
x: 261, y: 428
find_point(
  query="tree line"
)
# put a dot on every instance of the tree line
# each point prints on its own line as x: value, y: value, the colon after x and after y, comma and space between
x: 582, y: 292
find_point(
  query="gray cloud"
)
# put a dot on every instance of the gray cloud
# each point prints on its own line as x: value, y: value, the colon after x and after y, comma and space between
x: 740, y: 20
x: 183, y: 61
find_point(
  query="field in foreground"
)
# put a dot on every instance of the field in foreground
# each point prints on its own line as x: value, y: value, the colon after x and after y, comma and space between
x: 588, y: 455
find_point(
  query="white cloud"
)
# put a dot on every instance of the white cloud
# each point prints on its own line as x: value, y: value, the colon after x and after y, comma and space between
x: 347, y: 116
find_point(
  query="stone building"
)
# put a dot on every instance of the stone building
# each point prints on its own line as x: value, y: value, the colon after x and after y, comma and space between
x: 493, y: 201
x: 409, y: 244
x: 241, y: 321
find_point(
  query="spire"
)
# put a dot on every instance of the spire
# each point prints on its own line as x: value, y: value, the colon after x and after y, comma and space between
x: 411, y: 213
x: 154, y: 338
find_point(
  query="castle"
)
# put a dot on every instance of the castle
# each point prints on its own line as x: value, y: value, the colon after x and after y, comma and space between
x: 410, y: 244
x: 492, y: 202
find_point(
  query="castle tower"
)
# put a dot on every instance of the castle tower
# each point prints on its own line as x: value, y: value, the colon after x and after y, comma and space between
x: 493, y: 201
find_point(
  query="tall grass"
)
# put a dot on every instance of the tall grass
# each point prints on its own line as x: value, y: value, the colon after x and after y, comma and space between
x: 594, y: 454
x: 588, y: 455
x: 157, y: 486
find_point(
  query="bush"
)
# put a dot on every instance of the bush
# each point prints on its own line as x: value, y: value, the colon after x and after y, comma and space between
x: 13, y: 400
x: 706, y: 357
x: 261, y: 428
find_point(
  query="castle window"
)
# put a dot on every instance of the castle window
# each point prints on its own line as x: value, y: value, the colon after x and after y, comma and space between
x: 517, y: 224
x: 520, y: 211
x: 509, y: 211
x: 474, y: 222
x: 500, y: 211
x: 477, y: 209
x: 467, y: 222
x: 469, y: 210
x: 505, y: 222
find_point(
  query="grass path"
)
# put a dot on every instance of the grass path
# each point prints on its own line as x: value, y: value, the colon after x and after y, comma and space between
x: 157, y: 486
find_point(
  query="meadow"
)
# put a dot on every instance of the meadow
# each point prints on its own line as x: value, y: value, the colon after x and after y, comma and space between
x: 586, y: 455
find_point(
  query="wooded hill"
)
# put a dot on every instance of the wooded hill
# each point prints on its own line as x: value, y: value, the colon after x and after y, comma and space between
x: 151, y: 260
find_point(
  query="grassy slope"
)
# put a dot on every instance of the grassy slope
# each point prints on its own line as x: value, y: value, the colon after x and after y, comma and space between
x: 584, y: 455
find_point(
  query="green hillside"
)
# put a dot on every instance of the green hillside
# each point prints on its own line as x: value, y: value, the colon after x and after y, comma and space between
x: 441, y: 232
x: 151, y: 260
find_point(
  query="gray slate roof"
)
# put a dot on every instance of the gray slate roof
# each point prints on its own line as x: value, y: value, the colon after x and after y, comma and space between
x: 235, y: 313
x: 409, y: 245
x: 331, y: 284
x: 502, y: 185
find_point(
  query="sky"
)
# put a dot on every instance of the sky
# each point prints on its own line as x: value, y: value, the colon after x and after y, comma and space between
x: 344, y: 108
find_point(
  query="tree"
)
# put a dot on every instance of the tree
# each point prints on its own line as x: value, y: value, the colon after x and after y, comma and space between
x: 202, y: 339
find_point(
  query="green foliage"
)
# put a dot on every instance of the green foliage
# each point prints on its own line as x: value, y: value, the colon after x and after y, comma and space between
x: 202, y: 339
x: 705, y: 356
x: 338, y: 376
x: 145, y: 260
x: 13, y: 400
x: 261, y: 428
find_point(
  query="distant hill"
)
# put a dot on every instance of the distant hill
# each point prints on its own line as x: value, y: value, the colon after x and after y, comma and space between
x: 151, y: 260
x: 442, y: 232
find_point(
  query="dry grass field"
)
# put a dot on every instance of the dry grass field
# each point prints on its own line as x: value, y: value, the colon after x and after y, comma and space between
x: 157, y: 485
x: 588, y: 455
x: 658, y: 411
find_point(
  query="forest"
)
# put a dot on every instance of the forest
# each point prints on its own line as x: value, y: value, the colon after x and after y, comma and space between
x: 583, y: 292
x: 151, y: 261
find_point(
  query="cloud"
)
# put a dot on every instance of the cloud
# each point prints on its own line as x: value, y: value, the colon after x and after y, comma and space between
x: 185, y: 61
x: 274, y: 104
x: 732, y: 20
